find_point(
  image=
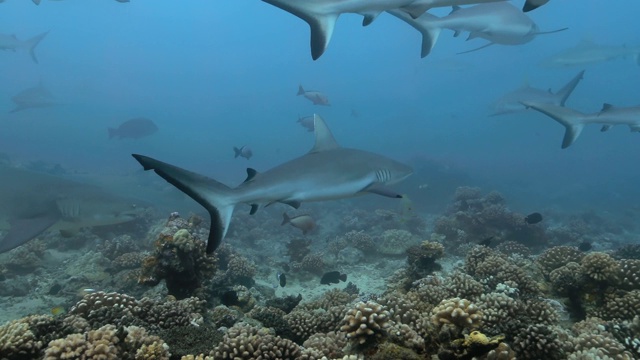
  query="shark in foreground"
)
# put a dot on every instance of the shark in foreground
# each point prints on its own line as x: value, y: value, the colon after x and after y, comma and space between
x: 512, y: 101
x: 32, y: 202
x: 327, y: 172
x: 11, y: 42
x: 574, y: 121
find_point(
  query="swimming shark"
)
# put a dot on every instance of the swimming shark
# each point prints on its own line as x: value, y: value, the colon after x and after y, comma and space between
x: 574, y: 121
x: 34, y: 97
x: 497, y: 22
x: 33, y: 202
x: 327, y: 172
x: 11, y: 42
x: 588, y: 52
x: 321, y: 15
x: 512, y: 101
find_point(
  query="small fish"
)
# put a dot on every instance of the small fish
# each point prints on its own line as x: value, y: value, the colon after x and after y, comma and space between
x: 316, y: 97
x: 486, y: 242
x: 282, y: 278
x: 533, y: 218
x: 333, y: 277
x: 302, y: 222
x: 244, y: 152
x: 585, y: 246
x: 57, y: 310
x: 306, y: 122
x: 230, y: 298
x: 134, y: 129
x: 285, y: 266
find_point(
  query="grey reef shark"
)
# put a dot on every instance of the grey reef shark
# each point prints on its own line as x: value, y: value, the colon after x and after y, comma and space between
x: 587, y: 52
x: 574, y: 121
x: 511, y: 102
x: 32, y: 98
x: 327, y: 172
x: 11, y: 42
x: 498, y: 22
x: 321, y: 15
x: 32, y: 202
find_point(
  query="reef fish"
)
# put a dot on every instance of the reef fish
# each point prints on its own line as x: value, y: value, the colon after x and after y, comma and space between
x: 243, y: 151
x: 134, y: 129
x: 533, y: 218
x: 32, y: 202
x: 11, y: 42
x: 327, y: 172
x: 302, y: 222
x: 282, y: 279
x: 512, y: 101
x: 574, y: 121
x: 333, y: 277
x: 33, y: 98
x: 316, y: 97
x: 306, y: 122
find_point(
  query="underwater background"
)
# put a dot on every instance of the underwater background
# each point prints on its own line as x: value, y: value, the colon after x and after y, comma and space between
x: 450, y: 271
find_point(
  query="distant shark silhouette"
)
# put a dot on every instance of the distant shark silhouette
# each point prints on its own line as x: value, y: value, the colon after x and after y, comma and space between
x: 574, y: 121
x: 11, y: 42
x: 33, y: 97
x: 512, y: 101
x: 587, y: 52
x: 327, y: 172
x: 32, y: 202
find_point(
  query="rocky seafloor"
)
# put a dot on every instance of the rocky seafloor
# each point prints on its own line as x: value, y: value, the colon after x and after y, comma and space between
x: 418, y: 288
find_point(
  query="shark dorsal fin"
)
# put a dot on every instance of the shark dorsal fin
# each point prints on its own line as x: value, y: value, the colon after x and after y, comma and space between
x: 324, y: 138
x: 606, y: 107
x: 251, y: 173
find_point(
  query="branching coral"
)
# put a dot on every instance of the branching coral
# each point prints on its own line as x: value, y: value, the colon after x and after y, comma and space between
x: 17, y: 341
x: 244, y: 341
x: 600, y: 267
x: 630, y: 274
x: 366, y: 323
x: 558, y: 256
x: 538, y: 342
x: 395, y: 242
x: 459, y: 312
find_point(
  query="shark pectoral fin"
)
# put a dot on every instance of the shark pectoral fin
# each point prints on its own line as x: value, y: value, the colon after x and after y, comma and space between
x: 369, y: 17
x: 605, y: 128
x: 382, y: 190
x: 217, y: 198
x: 254, y: 209
x: 251, y: 173
x: 321, y: 30
x: 23, y: 230
x: 293, y: 203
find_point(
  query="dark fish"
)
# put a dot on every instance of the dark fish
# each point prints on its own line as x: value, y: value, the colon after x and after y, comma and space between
x: 134, y: 129
x: 306, y: 122
x: 285, y: 267
x: 486, y: 242
x: 282, y: 278
x: 302, y: 222
x: 533, y: 218
x: 585, y: 246
x: 230, y: 298
x: 244, y: 152
x: 333, y: 277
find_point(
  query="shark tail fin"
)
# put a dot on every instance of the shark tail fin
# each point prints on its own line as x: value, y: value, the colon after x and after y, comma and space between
x: 572, y: 120
x: 237, y: 152
x: 564, y: 93
x: 32, y: 43
x: 214, y: 196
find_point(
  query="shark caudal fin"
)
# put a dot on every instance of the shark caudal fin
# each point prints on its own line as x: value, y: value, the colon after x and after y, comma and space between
x: 212, y: 195
x: 572, y: 120
x: 426, y: 25
x: 31, y: 44
x: 563, y: 94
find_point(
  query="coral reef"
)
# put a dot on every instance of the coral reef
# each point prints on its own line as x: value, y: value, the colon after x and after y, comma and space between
x: 366, y: 323
x: 244, y: 341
